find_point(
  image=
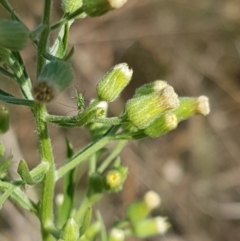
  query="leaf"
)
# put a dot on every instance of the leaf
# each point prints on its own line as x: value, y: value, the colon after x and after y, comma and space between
x: 6, y: 194
x: 32, y: 177
x: 60, y: 45
x: 24, y: 173
x: 4, y: 165
x: 86, y: 221
x: 68, y: 189
x: 4, y: 96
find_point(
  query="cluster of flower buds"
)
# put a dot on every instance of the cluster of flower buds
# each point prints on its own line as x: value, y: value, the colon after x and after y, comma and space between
x: 142, y: 225
x: 142, y: 110
x: 155, y: 108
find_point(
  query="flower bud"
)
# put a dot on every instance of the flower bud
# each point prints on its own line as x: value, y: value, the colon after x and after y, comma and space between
x: 150, y: 227
x: 150, y: 88
x: 96, y: 185
x: 113, y: 83
x: 69, y: 6
x: 95, y: 8
x: 114, y: 179
x: 141, y: 209
x: 4, y: 119
x: 55, y: 77
x: 14, y: 35
x: 142, y: 111
x: 70, y: 231
x: 192, y: 106
x: 162, y: 125
x: 116, y: 235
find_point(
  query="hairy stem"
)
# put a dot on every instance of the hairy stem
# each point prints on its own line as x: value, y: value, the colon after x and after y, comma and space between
x: 45, y: 148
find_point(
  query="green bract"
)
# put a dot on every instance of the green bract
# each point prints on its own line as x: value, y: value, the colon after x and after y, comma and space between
x: 55, y: 77
x: 13, y: 35
x: 143, y: 110
x: 150, y: 88
x: 115, y: 178
x: 69, y: 6
x: 113, y: 83
x: 150, y: 227
x: 141, y: 209
x: 162, y: 125
x: 190, y: 106
x: 98, y: 7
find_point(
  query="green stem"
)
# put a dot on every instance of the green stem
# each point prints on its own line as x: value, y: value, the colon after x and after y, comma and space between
x: 83, y: 154
x: 86, y: 203
x: 67, y: 18
x: 43, y: 40
x: 45, y: 148
x: 86, y: 152
x: 92, y: 164
x: 113, y: 154
x: 11, y: 11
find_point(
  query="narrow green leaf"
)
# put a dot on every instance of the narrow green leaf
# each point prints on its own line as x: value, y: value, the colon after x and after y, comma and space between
x: 24, y: 173
x: 86, y: 221
x: 18, y: 196
x: 6, y: 73
x: 103, y: 231
x: 32, y: 177
x: 60, y: 45
x: 2, y: 150
x: 4, y: 165
x: 68, y: 189
x: 8, y: 98
x: 6, y: 194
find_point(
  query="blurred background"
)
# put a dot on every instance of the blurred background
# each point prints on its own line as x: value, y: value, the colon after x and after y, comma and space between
x: 195, y: 46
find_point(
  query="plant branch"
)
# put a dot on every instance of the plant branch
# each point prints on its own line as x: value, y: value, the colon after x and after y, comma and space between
x: 43, y: 40
x: 45, y: 148
x: 113, y: 154
x: 67, y: 18
x: 81, y: 156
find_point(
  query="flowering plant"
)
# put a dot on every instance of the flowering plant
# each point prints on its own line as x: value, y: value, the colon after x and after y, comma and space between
x: 154, y: 110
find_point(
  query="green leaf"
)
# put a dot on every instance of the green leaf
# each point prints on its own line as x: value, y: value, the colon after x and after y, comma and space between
x: 6, y: 194
x: 32, y: 177
x: 6, y: 73
x: 17, y: 195
x: 86, y: 221
x: 24, y: 173
x: 8, y: 98
x: 68, y: 189
x: 103, y: 232
x: 4, y: 167
x: 60, y: 45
